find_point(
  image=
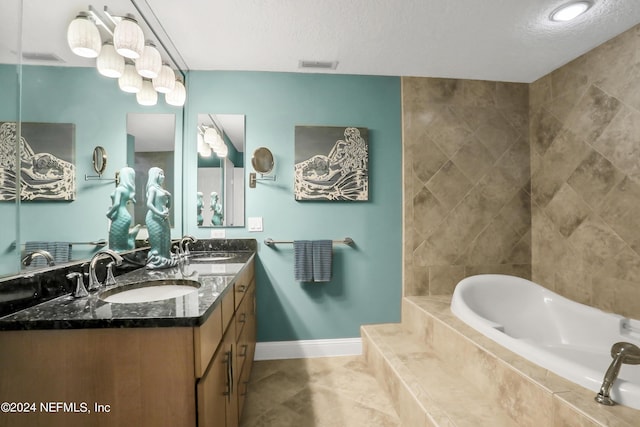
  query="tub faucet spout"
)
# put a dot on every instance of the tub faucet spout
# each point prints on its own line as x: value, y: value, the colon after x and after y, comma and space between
x: 622, y: 352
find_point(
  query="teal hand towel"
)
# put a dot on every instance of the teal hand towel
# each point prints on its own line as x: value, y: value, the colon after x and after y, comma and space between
x: 303, y: 260
x: 322, y: 259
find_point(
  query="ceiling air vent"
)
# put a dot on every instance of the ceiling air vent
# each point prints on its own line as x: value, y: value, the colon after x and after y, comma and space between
x: 318, y: 65
x: 41, y: 57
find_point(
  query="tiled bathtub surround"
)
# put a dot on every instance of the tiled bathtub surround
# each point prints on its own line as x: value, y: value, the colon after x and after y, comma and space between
x: 585, y: 177
x: 538, y: 180
x: 466, y: 182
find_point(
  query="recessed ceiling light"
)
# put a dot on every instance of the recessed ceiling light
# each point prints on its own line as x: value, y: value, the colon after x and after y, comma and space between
x: 569, y: 11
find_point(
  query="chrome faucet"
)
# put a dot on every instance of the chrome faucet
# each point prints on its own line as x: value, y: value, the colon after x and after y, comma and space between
x: 38, y: 252
x: 80, y: 290
x: 94, y: 283
x: 183, y: 245
x: 622, y: 352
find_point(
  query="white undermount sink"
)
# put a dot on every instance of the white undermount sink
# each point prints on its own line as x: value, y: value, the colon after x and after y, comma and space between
x: 153, y: 290
x: 206, y: 257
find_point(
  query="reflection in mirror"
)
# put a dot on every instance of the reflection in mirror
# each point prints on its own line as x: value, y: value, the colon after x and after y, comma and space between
x: 59, y: 87
x: 220, y: 188
x: 150, y: 143
x: 262, y: 160
x: 99, y: 160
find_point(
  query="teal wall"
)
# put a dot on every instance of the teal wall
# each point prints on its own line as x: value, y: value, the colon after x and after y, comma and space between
x: 9, y: 89
x: 98, y: 109
x: 367, y: 279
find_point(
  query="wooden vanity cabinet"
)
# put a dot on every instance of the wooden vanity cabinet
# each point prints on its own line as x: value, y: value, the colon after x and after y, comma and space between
x: 157, y: 376
x: 222, y: 387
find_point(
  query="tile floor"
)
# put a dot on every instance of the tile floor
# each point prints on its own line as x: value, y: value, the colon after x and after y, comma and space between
x: 319, y: 392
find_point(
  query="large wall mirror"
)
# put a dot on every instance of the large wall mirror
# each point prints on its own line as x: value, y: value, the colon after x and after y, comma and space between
x: 151, y: 143
x: 66, y: 93
x: 220, y: 193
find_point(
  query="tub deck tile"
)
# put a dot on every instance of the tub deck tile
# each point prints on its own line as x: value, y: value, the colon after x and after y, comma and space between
x: 427, y: 391
x: 450, y: 355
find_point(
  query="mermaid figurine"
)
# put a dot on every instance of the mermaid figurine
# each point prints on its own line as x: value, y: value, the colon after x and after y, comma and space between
x: 216, y: 207
x: 157, y: 220
x: 199, y: 208
x: 121, y: 236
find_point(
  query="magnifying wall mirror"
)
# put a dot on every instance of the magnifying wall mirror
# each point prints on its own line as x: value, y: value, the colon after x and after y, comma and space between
x: 99, y: 160
x: 220, y: 189
x: 262, y: 162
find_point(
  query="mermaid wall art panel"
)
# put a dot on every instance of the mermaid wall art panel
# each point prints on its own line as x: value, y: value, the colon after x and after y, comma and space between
x: 331, y: 163
x: 44, y: 163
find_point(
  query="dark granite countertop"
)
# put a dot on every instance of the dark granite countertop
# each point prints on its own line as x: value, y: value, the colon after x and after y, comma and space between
x: 192, y: 309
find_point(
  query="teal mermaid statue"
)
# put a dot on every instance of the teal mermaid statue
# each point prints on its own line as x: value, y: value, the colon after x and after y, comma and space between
x: 216, y: 207
x: 157, y: 220
x: 199, y: 207
x: 121, y: 236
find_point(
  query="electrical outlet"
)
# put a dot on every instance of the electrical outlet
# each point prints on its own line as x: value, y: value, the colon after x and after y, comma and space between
x: 255, y: 223
x: 218, y: 233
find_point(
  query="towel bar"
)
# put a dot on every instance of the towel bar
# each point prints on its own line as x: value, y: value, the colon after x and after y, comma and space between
x: 270, y: 242
x: 100, y: 242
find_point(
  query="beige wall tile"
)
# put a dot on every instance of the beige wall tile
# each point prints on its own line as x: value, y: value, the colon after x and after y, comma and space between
x: 467, y: 144
x: 589, y: 251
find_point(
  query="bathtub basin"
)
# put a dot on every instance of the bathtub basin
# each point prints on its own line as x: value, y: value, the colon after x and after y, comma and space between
x: 570, y: 339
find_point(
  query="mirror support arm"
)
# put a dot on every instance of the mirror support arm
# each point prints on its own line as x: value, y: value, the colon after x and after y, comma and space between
x: 253, y: 179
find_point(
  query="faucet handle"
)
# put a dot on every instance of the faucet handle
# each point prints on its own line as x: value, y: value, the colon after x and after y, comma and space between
x: 80, y: 290
x: 110, y: 280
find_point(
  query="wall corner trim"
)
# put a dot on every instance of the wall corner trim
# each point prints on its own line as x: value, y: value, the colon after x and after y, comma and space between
x: 306, y: 349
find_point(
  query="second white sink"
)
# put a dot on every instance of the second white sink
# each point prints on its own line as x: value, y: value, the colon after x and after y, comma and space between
x: 155, y: 290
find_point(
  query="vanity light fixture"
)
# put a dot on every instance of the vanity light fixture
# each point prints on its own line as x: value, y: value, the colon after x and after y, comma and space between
x: 221, y: 151
x: 569, y: 11
x: 150, y: 63
x: 128, y: 38
x: 165, y: 81
x: 203, y: 148
x: 83, y: 36
x: 210, y: 136
x: 147, y: 96
x: 127, y: 58
x: 177, y: 96
x: 109, y: 63
x: 130, y: 81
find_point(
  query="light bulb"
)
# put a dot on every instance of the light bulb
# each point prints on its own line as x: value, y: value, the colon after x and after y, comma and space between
x: 128, y: 38
x: 83, y: 37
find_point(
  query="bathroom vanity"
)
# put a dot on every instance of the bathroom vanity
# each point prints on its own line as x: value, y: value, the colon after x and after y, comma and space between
x: 179, y: 361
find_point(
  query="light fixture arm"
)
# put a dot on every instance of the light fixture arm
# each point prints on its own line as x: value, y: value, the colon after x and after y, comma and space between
x: 100, y: 21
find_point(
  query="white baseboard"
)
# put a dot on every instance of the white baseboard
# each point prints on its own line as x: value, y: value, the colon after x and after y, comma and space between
x: 308, y: 349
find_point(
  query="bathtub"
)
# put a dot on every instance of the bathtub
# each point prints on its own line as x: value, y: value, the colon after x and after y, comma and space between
x: 565, y: 337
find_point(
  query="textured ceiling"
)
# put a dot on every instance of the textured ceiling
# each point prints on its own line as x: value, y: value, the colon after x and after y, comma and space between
x: 505, y: 40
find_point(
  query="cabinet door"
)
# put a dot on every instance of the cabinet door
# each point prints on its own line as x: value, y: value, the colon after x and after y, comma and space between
x: 232, y: 379
x: 214, y: 390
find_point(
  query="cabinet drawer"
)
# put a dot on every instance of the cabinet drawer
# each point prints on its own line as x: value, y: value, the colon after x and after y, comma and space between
x: 244, y: 282
x: 242, y: 317
x: 228, y: 308
x: 206, y: 339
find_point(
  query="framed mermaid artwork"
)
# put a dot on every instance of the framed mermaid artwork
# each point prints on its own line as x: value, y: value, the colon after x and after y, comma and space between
x: 45, y: 161
x: 331, y: 163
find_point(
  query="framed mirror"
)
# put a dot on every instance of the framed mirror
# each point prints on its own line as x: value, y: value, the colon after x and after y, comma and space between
x: 220, y: 197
